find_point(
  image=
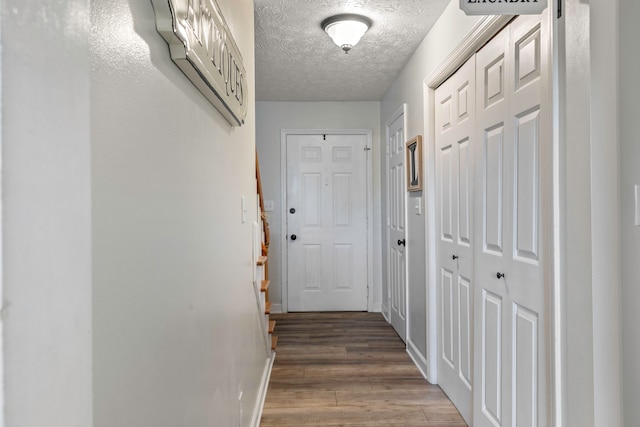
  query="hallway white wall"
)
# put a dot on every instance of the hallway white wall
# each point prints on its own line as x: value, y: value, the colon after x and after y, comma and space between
x: 127, y: 273
x: 605, y: 202
x: 176, y: 328
x: 46, y: 213
x: 271, y: 118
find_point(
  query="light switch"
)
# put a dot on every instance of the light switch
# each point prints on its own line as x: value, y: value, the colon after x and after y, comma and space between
x: 637, y: 188
x: 419, y: 206
x: 243, y: 208
x: 268, y: 205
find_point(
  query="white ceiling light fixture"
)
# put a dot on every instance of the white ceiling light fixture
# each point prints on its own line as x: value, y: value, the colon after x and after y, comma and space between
x: 346, y: 30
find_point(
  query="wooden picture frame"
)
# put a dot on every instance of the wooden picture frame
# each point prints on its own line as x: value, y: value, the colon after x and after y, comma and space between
x: 413, y: 149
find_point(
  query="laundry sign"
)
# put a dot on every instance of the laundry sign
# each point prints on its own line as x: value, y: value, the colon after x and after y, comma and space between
x: 201, y: 45
x: 503, y: 7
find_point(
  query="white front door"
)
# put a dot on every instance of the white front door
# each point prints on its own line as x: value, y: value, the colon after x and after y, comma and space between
x: 327, y: 222
x: 396, y: 250
x: 513, y: 173
x: 455, y: 144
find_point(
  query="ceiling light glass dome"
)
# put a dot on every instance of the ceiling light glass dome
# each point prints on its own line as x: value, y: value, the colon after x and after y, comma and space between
x: 346, y: 30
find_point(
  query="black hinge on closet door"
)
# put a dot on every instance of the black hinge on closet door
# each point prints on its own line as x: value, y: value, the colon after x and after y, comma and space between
x: 559, y: 9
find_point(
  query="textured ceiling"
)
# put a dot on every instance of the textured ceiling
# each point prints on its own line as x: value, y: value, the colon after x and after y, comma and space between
x: 297, y: 61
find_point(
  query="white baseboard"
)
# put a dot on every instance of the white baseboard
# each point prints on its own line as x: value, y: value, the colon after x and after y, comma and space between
x: 418, y: 359
x: 385, y: 313
x: 377, y: 308
x: 262, y: 394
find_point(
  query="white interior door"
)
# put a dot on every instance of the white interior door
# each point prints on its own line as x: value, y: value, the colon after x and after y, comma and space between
x: 513, y: 205
x: 327, y: 222
x: 396, y: 250
x: 455, y: 143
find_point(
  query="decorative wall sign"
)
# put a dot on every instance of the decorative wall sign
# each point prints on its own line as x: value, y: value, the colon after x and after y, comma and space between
x: 202, y: 46
x: 503, y: 7
x: 414, y: 164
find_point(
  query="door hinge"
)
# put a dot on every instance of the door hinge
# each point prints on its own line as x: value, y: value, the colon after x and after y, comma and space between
x: 559, y: 9
x: 367, y: 148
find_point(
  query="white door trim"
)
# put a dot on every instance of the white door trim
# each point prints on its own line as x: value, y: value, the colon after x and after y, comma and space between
x: 401, y: 111
x: 284, y: 292
x: 2, y: 268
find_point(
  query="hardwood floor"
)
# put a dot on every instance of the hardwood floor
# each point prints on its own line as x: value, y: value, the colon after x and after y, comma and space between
x: 349, y: 369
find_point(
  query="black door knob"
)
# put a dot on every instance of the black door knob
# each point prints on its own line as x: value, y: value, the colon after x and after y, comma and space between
x: 454, y: 257
x: 292, y: 210
x: 402, y: 242
x: 294, y: 237
x: 499, y: 275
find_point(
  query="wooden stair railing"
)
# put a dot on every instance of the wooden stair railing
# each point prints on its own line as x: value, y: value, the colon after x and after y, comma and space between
x: 263, y: 260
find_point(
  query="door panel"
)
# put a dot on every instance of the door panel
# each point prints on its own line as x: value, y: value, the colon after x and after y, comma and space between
x: 455, y: 106
x: 327, y: 214
x: 491, y: 358
x: 465, y: 330
x: 311, y: 200
x: 446, y: 190
x: 342, y: 261
x: 526, y: 189
x: 512, y: 118
x: 312, y: 261
x: 448, y: 324
x: 493, y: 184
x: 465, y: 163
x: 525, y: 366
x: 396, y: 227
x: 341, y: 200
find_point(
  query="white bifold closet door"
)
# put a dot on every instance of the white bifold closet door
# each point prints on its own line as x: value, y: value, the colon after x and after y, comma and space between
x: 513, y: 184
x: 454, y: 114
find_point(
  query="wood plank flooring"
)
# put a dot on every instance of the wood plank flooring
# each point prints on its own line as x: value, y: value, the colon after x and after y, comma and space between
x: 349, y: 369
